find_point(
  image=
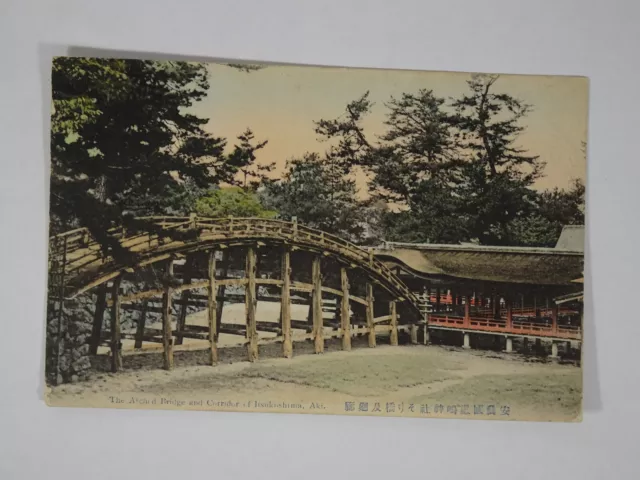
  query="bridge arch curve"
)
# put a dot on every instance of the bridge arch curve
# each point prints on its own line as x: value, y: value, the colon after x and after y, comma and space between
x: 78, y: 265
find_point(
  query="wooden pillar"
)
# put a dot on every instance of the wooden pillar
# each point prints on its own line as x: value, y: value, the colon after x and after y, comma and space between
x: 369, y: 311
x: 167, y: 334
x: 393, y: 335
x: 212, y: 306
x: 222, y: 288
x: 509, y: 313
x: 285, y: 304
x: 142, y: 320
x: 316, y: 305
x: 554, y: 318
x: 116, y: 353
x: 345, y: 318
x: 250, y: 302
x: 437, y: 300
x: 467, y: 310
x: 98, y: 319
x: 182, y: 319
x: 413, y: 331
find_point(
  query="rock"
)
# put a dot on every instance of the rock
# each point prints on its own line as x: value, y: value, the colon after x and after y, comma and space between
x: 83, y: 363
x: 64, y: 363
x: 74, y: 378
x: 79, y: 327
x: 81, y: 339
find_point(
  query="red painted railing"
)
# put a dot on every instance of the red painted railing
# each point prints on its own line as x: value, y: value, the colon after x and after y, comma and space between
x: 518, y: 327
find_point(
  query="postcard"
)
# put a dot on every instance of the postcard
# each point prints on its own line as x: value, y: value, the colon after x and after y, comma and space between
x: 298, y: 239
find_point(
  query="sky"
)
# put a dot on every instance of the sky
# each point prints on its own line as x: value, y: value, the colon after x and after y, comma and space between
x: 280, y: 104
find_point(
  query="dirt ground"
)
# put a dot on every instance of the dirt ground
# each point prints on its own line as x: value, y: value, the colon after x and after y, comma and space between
x: 425, y: 381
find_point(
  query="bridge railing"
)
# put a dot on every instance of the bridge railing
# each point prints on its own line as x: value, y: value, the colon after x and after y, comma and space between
x: 81, y: 250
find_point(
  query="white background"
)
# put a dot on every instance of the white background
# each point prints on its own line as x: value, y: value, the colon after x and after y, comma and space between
x: 594, y: 38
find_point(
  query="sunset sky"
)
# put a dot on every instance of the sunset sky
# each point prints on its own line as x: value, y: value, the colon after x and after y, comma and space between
x: 280, y: 103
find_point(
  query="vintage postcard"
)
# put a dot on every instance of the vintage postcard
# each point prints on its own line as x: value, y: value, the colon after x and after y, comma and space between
x: 294, y: 239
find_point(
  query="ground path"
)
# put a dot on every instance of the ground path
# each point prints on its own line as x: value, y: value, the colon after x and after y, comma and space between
x: 402, y: 376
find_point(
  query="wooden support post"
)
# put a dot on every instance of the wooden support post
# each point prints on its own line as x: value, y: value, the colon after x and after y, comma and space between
x: 316, y: 305
x: 467, y: 310
x: 509, y: 302
x: 98, y: 319
x: 393, y: 334
x: 285, y: 304
x: 116, y: 354
x: 437, y: 300
x: 142, y: 319
x: 222, y: 288
x: 212, y: 307
x: 369, y: 312
x: 554, y: 318
x: 167, y: 337
x: 413, y: 331
x: 182, y: 319
x: 250, y: 302
x: 345, y: 318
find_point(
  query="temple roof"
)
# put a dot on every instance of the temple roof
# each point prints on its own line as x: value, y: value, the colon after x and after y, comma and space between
x: 536, y: 266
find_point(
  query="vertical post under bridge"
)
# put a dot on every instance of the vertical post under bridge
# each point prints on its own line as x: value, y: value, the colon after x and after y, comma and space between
x: 212, y: 305
x: 393, y: 335
x: 116, y: 353
x: 316, y: 305
x: 250, y: 305
x: 285, y: 304
x: 345, y: 319
x: 167, y: 334
x: 369, y: 310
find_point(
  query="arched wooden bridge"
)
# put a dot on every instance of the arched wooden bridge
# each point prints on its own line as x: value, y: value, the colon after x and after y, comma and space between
x: 201, y: 260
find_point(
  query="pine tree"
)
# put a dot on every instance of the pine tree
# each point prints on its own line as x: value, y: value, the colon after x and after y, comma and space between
x: 123, y: 141
x: 318, y: 196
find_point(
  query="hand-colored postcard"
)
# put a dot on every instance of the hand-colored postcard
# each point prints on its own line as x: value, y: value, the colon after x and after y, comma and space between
x: 296, y: 239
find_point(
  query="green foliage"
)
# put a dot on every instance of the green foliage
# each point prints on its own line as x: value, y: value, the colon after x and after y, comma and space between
x: 352, y: 148
x: 319, y: 196
x: 245, y: 154
x: 231, y: 201
x: 123, y: 141
x: 455, y: 168
x: 553, y: 210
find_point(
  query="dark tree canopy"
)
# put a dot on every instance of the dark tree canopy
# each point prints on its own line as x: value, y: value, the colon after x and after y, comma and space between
x: 443, y: 171
x: 319, y: 196
x: 454, y: 167
x: 123, y: 141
